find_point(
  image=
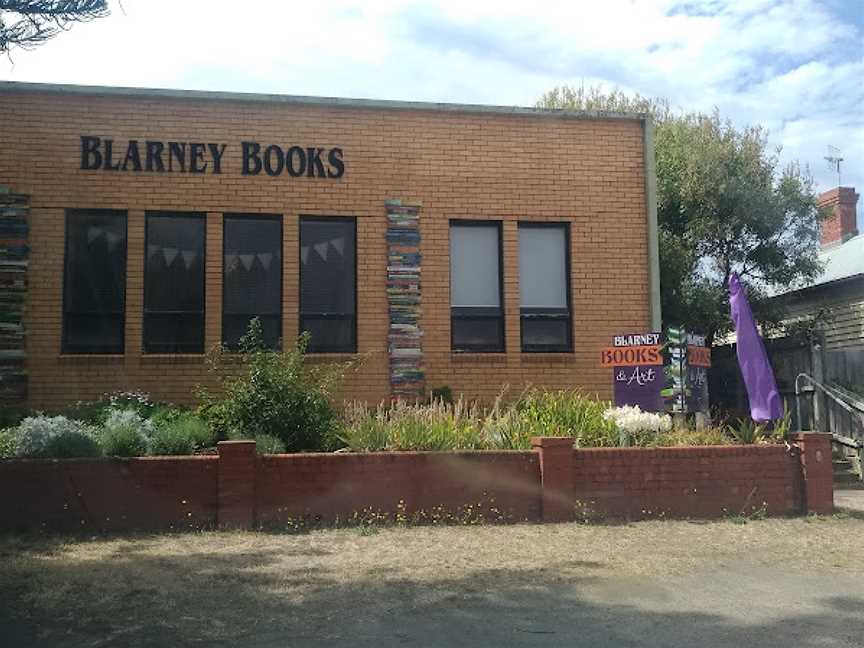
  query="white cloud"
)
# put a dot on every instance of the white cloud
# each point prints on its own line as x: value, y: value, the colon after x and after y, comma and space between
x: 795, y: 66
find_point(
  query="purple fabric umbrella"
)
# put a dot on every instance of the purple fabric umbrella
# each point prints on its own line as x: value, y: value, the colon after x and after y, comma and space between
x: 765, y: 401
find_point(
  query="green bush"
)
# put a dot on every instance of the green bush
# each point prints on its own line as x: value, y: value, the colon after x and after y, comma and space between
x: 125, y: 433
x: 567, y: 414
x: 273, y: 392
x: 7, y: 442
x: 268, y: 444
x: 55, y: 436
x: 182, y: 436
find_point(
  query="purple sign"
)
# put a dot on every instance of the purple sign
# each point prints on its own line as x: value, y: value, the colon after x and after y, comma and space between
x: 637, y: 370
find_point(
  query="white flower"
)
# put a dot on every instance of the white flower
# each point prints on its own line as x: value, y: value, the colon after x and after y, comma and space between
x: 630, y: 419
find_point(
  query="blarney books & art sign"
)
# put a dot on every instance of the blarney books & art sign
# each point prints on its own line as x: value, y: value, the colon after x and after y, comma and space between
x: 636, y: 360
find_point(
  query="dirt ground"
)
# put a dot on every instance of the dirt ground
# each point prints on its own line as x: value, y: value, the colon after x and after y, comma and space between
x: 774, y: 582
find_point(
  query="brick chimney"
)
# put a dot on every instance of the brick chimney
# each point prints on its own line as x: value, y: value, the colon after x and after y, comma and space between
x: 841, y: 225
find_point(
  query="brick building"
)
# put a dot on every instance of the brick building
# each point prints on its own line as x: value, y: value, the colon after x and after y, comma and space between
x: 459, y: 245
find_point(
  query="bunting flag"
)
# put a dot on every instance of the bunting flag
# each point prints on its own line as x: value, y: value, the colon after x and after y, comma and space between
x: 170, y: 254
x: 404, y: 338
x: 14, y: 253
x: 189, y: 257
x: 246, y: 260
x: 304, y: 254
x: 266, y: 258
x: 321, y: 249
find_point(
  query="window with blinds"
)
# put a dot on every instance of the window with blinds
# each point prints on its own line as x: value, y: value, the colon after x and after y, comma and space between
x: 544, y: 287
x: 476, y: 286
x: 252, y: 277
x: 174, y: 282
x: 94, y: 290
x: 328, y: 286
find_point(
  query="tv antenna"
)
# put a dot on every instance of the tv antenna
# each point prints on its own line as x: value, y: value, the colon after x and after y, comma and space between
x: 833, y: 159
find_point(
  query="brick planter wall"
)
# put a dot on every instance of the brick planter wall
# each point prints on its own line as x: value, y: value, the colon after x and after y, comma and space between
x: 553, y: 483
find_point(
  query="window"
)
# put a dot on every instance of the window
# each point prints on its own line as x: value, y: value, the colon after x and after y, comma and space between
x: 328, y: 286
x: 476, y: 286
x: 544, y: 287
x: 94, y: 291
x: 252, y: 277
x: 174, y: 283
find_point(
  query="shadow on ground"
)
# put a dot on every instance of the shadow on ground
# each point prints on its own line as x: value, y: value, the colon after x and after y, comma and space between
x: 253, y: 599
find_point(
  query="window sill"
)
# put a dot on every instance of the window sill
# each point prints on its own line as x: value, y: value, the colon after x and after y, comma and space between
x: 547, y: 357
x: 477, y: 357
x: 91, y: 356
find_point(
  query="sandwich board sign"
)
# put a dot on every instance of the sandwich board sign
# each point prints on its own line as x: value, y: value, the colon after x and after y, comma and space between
x: 636, y: 361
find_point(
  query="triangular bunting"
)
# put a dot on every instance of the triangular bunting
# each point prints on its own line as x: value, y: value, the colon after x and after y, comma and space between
x: 93, y: 233
x: 321, y: 249
x: 304, y: 254
x: 189, y: 257
x: 230, y: 262
x: 113, y: 240
x: 170, y: 254
x: 339, y: 245
x: 246, y: 260
x: 266, y: 258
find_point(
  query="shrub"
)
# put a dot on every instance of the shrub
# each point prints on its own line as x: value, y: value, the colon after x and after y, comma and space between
x: 269, y: 444
x: 7, y: 442
x: 57, y: 436
x: 125, y: 433
x: 97, y: 412
x: 273, y: 392
x: 747, y: 432
x: 181, y: 436
x: 567, y: 414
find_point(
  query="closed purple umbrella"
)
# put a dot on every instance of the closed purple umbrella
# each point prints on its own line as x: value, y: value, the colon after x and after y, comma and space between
x: 765, y: 401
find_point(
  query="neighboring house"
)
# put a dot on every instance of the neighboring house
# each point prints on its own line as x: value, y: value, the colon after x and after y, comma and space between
x: 835, y: 301
x: 832, y: 307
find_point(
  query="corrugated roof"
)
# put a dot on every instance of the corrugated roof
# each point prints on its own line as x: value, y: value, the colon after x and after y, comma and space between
x: 842, y: 261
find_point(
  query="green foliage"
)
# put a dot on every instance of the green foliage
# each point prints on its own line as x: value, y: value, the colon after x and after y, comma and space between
x: 269, y: 444
x: 273, y: 392
x: 747, y: 432
x: 96, y: 412
x: 45, y: 436
x: 724, y: 205
x: 183, y: 435
x: 74, y: 444
x: 8, y: 442
x: 125, y: 433
x: 123, y: 441
x: 466, y: 426
x: 675, y: 438
x: 569, y: 414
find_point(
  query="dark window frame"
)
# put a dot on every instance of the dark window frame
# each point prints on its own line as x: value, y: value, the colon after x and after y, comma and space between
x: 550, y: 314
x: 476, y: 314
x: 281, y: 313
x: 203, y: 312
x: 65, y: 347
x: 301, y: 316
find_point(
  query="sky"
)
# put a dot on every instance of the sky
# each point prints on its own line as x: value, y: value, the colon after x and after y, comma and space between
x: 794, y: 66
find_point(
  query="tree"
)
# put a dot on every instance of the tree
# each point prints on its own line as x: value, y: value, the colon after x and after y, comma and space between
x: 28, y: 23
x: 724, y: 205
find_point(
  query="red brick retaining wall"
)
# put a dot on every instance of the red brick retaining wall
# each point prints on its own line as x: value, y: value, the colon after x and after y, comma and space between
x: 551, y: 483
x: 109, y: 494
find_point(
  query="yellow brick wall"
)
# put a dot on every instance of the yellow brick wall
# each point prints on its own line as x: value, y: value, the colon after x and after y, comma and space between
x: 482, y: 166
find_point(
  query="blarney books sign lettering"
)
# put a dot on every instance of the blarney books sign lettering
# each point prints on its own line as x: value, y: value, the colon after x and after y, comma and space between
x: 636, y: 360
